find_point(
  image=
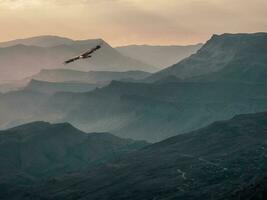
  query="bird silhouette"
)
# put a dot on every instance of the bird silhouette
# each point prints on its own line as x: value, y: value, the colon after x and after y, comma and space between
x: 87, y: 54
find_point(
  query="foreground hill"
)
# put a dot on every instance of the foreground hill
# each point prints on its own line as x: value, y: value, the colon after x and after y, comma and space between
x: 209, y: 163
x: 39, y: 149
x: 20, y: 61
x: 159, y: 56
x: 235, y: 57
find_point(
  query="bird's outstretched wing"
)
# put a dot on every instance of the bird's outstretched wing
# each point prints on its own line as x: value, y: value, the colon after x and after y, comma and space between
x: 72, y: 60
x: 87, y: 54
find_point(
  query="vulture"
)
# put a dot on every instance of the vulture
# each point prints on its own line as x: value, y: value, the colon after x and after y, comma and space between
x: 87, y: 54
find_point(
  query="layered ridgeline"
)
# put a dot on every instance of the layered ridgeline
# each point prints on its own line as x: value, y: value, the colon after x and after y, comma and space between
x: 226, y: 57
x: 23, y: 58
x: 67, y: 80
x: 40, y: 41
x: 41, y: 150
x: 137, y: 110
x: 63, y: 80
x: 98, y: 77
x: 54, y: 87
x: 214, y: 162
x: 157, y: 111
x: 159, y: 56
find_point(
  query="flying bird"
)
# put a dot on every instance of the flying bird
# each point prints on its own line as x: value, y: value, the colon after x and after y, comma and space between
x: 87, y: 54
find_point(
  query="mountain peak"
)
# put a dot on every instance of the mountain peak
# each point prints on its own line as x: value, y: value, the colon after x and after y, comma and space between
x: 30, y: 125
x: 40, y: 41
x: 41, y: 125
x: 241, y: 56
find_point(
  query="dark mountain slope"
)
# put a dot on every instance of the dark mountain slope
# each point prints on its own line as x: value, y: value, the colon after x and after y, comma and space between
x: 251, y: 190
x: 239, y: 72
x: 39, y: 150
x: 240, y: 56
x: 209, y: 163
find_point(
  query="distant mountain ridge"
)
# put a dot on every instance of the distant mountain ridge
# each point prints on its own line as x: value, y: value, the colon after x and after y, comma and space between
x: 67, y: 75
x: 40, y: 41
x: 159, y: 56
x: 20, y: 61
x: 233, y: 57
x: 152, y: 111
x: 54, y: 87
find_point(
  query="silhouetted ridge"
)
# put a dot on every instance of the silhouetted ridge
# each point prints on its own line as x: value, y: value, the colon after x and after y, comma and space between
x: 40, y: 150
x: 32, y: 125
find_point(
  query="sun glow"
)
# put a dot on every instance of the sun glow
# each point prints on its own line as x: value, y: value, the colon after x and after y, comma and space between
x: 20, y: 4
x: 131, y: 21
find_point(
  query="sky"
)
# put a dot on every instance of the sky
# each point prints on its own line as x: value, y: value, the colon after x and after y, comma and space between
x: 122, y: 22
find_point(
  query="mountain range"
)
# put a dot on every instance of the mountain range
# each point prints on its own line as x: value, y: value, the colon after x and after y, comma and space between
x: 210, y: 163
x: 206, y: 116
x: 136, y: 110
x: 63, y: 80
x: 154, y: 111
x: 157, y: 56
x: 67, y: 80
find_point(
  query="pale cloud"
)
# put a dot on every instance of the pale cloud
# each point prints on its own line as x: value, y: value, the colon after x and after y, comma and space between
x: 132, y: 21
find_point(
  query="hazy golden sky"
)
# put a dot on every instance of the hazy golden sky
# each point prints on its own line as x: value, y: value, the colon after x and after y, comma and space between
x: 131, y: 21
